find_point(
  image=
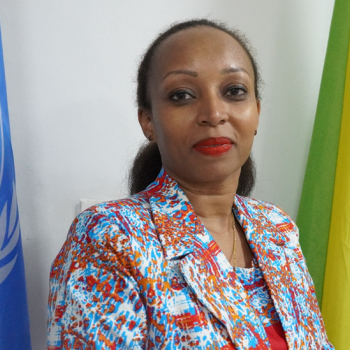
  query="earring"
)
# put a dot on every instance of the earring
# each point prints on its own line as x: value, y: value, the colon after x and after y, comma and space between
x: 150, y: 138
x: 255, y: 132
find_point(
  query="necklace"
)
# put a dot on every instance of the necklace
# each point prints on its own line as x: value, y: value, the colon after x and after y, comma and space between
x: 233, y: 254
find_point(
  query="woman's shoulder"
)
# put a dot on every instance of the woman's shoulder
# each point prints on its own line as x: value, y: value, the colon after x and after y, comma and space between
x: 136, y: 202
x: 133, y: 210
x: 122, y: 224
x: 268, y: 215
x: 115, y: 232
x: 266, y: 208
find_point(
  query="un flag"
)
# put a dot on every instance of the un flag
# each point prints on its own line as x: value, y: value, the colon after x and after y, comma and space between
x: 14, y: 320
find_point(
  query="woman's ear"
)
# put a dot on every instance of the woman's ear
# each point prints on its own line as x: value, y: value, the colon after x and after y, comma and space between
x: 145, y: 120
x: 258, y: 106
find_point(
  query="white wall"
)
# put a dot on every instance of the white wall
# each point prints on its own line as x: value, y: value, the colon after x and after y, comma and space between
x: 70, y: 66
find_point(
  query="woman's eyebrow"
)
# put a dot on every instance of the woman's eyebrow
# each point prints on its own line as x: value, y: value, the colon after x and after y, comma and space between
x: 181, y: 71
x: 195, y: 74
x: 233, y: 70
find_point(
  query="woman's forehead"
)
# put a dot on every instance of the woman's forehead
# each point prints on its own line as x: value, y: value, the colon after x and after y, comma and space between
x: 193, y: 46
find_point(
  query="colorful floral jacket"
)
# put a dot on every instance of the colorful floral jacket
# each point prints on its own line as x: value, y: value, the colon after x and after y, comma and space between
x: 144, y: 273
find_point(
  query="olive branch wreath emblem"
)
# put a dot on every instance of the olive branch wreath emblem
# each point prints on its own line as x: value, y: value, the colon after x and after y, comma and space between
x: 9, y: 223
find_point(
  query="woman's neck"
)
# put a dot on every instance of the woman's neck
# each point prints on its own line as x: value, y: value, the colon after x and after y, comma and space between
x: 209, y: 205
x: 213, y: 205
x: 210, y: 200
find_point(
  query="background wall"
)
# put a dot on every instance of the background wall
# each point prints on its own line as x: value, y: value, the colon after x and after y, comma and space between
x: 70, y: 67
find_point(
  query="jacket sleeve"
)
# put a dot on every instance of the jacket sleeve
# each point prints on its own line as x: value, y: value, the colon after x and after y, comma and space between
x: 94, y: 301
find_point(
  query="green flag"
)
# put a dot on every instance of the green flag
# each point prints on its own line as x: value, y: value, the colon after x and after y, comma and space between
x: 324, y: 212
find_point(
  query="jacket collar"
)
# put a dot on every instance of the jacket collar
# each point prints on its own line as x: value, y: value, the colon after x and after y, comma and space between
x: 179, y: 229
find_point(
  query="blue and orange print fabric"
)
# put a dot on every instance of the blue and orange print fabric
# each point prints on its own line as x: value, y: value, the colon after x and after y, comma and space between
x: 144, y: 273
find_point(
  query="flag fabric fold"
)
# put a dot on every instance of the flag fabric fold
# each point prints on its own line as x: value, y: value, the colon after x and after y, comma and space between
x: 324, y: 211
x: 14, y: 319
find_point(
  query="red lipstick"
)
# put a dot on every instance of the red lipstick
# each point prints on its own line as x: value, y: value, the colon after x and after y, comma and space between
x: 213, y: 146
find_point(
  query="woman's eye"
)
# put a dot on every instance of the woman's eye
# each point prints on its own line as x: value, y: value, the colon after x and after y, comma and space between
x: 181, y: 96
x: 236, y: 91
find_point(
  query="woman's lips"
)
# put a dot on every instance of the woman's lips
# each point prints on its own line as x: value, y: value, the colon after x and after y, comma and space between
x: 213, y: 146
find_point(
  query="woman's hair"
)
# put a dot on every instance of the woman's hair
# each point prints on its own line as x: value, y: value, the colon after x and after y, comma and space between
x: 147, y: 163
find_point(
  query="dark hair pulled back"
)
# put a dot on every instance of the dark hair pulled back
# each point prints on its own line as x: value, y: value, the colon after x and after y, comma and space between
x: 147, y: 163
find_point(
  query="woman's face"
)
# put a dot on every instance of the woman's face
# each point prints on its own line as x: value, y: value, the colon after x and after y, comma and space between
x: 204, y: 110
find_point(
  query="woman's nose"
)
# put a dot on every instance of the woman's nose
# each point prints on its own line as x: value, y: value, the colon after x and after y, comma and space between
x: 212, y: 111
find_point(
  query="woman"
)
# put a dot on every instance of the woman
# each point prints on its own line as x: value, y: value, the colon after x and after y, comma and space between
x: 188, y: 263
